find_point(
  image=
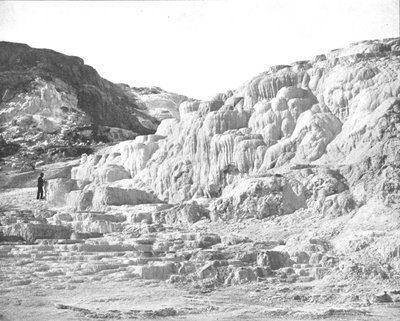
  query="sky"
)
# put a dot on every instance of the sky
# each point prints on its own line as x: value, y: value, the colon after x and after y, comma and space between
x: 194, y: 48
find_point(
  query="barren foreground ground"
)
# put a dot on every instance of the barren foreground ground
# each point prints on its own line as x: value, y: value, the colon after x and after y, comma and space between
x: 41, y: 282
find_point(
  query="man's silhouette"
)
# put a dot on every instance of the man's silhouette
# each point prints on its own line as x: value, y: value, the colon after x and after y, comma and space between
x: 40, y: 184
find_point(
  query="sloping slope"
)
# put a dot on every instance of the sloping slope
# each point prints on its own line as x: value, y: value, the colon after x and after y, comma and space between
x: 44, y: 82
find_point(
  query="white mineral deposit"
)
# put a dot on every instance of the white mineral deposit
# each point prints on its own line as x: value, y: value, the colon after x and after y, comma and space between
x: 276, y: 200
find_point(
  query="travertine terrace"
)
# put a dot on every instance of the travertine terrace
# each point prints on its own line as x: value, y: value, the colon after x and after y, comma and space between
x: 278, y: 199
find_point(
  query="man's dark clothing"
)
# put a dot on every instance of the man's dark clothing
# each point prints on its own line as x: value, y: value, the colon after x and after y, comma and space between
x: 40, y: 184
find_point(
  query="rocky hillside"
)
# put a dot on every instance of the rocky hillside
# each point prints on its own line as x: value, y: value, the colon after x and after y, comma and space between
x: 51, y: 100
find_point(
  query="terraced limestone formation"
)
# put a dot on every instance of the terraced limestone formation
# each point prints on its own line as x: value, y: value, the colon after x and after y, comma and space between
x: 279, y: 199
x: 320, y: 135
x: 336, y: 111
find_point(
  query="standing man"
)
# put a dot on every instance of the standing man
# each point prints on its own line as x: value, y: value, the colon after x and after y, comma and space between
x: 40, y: 184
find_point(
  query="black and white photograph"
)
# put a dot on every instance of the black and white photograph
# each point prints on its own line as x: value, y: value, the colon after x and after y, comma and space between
x: 200, y: 160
